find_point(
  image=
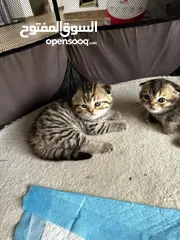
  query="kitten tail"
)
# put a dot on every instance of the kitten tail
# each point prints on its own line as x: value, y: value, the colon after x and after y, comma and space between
x: 62, y: 154
x: 81, y: 156
x: 73, y: 155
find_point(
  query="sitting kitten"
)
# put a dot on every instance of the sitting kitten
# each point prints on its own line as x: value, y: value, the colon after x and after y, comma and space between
x: 161, y: 99
x: 59, y: 132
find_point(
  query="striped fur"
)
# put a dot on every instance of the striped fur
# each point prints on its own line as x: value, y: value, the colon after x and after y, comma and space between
x: 60, y: 131
x: 163, y: 104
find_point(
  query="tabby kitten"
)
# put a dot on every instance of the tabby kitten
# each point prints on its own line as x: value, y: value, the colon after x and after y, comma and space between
x: 161, y: 99
x: 60, y: 131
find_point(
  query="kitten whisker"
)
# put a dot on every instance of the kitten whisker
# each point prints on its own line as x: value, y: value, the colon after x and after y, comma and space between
x: 141, y: 110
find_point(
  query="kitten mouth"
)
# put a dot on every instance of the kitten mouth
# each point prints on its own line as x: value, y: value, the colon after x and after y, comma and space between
x: 151, y: 109
x: 154, y: 110
x: 89, y: 116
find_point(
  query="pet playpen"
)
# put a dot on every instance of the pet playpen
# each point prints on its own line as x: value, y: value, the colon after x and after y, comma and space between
x: 32, y: 73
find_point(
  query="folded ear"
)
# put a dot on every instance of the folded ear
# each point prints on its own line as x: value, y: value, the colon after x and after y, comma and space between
x: 141, y: 84
x: 175, y: 86
x: 107, y: 88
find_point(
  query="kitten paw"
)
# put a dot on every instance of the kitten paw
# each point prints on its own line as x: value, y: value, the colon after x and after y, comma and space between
x: 116, y: 116
x: 150, y: 119
x: 118, y: 126
x: 123, y: 126
x: 169, y: 128
x: 168, y: 131
x: 105, y: 147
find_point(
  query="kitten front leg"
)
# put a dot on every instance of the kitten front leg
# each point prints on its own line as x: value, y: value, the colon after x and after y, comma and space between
x: 113, y: 115
x: 169, y: 127
x: 116, y: 127
x: 100, y: 128
x: 96, y: 147
x: 149, y: 118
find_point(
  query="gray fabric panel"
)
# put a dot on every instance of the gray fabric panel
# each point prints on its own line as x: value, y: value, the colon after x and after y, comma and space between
x: 30, y: 78
x: 126, y: 54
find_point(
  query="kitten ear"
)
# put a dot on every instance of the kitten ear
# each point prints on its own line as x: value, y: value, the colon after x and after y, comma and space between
x: 107, y: 88
x: 176, y: 87
x: 143, y: 83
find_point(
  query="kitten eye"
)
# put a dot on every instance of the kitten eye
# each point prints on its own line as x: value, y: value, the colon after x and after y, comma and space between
x: 147, y: 97
x: 84, y: 106
x: 161, y: 100
x: 97, y: 104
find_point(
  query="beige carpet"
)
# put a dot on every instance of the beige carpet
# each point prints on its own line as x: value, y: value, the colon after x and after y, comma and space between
x: 144, y: 166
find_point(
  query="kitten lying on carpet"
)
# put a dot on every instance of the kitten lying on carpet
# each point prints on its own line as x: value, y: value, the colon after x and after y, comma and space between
x: 59, y: 131
x: 161, y: 99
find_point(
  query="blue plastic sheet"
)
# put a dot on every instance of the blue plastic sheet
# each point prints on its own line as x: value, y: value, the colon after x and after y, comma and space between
x: 95, y: 218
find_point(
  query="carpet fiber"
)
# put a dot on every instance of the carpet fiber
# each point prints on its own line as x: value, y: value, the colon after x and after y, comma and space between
x: 144, y: 166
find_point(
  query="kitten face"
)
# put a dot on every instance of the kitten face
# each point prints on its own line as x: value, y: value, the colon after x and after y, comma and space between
x: 158, y: 96
x: 92, y: 102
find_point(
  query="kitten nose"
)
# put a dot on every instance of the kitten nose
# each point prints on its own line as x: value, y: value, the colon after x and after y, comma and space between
x: 91, y: 111
x: 152, y: 103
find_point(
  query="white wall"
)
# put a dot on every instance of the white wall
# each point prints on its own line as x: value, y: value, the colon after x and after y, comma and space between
x: 19, y: 8
x: 15, y: 8
x: 25, y: 4
x: 156, y: 7
x: 73, y: 6
x: 60, y: 3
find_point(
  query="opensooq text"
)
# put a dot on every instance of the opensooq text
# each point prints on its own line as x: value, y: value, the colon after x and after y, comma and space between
x: 54, y: 42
